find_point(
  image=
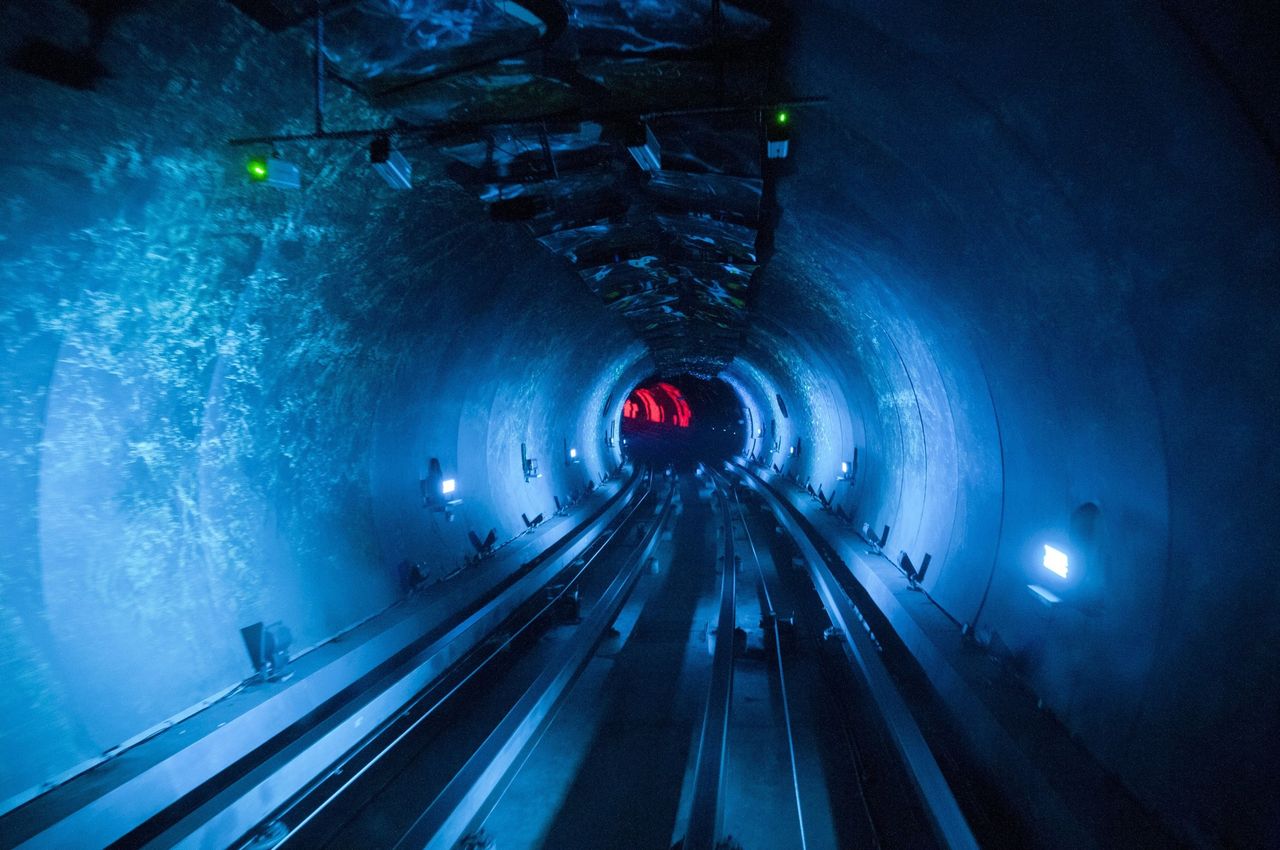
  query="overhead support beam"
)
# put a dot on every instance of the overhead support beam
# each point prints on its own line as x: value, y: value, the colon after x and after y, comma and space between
x: 438, y: 130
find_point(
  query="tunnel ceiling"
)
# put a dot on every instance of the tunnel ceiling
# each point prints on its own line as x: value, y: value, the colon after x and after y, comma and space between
x: 536, y: 107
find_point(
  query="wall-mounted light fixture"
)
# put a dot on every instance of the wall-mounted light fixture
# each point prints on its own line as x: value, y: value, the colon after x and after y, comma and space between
x: 529, y: 465
x: 438, y: 492
x: 777, y: 135
x: 849, y: 468
x: 390, y: 164
x: 643, y: 147
x: 570, y: 454
x: 1055, y: 561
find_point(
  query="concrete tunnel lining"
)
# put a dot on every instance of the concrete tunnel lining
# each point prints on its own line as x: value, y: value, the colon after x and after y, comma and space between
x: 1026, y: 264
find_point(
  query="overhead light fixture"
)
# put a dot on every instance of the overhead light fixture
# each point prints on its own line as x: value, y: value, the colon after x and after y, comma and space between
x: 274, y: 172
x: 777, y: 136
x: 390, y: 163
x: 1055, y: 561
x: 644, y: 148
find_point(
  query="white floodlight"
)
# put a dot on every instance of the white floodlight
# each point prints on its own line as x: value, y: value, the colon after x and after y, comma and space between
x: 1055, y: 561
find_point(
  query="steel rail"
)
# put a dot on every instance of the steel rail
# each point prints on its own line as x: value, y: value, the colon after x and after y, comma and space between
x: 228, y: 814
x: 447, y: 818
x: 945, y: 818
x: 782, y: 675
x: 706, y: 810
x: 439, y: 699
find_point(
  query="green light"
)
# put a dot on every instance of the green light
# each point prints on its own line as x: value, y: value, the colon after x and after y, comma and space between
x: 257, y: 169
x: 782, y: 117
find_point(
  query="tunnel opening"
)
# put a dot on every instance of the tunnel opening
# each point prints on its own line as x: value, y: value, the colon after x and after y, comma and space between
x: 681, y: 421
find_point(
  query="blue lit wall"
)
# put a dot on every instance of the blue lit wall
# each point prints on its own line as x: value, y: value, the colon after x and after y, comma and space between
x: 217, y: 397
x: 1034, y: 256
x: 1026, y: 264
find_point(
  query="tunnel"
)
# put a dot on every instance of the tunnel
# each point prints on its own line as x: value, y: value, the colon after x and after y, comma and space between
x: 659, y: 426
x: 326, y: 319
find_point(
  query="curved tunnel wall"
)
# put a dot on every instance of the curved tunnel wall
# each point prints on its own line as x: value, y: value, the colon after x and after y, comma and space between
x: 1035, y: 254
x: 1026, y: 266
x: 219, y: 396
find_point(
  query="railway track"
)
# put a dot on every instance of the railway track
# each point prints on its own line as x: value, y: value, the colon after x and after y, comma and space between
x: 693, y: 680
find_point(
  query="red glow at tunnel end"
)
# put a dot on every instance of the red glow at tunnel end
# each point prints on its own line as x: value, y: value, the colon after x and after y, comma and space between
x: 660, y: 404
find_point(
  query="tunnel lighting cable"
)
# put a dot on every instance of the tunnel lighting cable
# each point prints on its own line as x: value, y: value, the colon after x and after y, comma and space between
x: 603, y: 541
x: 782, y: 678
